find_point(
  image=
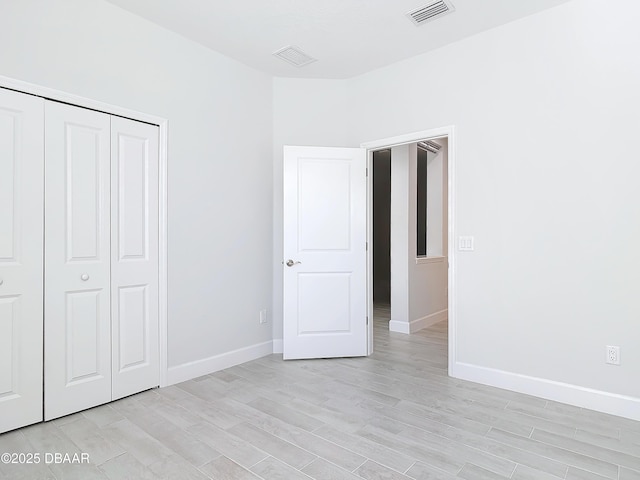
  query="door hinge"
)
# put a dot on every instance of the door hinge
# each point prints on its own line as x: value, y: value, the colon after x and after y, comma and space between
x: 367, y: 320
x: 366, y: 170
x: 366, y: 246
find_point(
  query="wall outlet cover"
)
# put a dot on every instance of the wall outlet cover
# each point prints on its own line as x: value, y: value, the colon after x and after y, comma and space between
x: 613, y: 355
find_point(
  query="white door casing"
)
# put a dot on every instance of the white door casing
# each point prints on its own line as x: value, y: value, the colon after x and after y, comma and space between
x: 325, y: 242
x: 21, y: 232
x: 77, y: 259
x: 134, y: 257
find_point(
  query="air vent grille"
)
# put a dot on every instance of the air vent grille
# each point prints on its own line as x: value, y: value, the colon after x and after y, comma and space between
x: 430, y: 12
x: 294, y: 56
x: 429, y: 146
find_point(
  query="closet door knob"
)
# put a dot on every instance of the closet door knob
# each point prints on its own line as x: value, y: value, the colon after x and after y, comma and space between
x: 84, y: 277
x: 1, y: 281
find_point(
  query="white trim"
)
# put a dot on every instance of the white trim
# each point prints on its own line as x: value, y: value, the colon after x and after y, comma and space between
x: 278, y: 345
x: 187, y: 371
x: 399, y: 326
x: 369, y: 295
x: 612, y: 403
x: 52, y: 94
x: 407, y: 138
x: 418, y: 324
x: 163, y: 251
x: 428, y: 320
x: 425, y: 260
x: 163, y: 239
x: 451, y: 252
x: 449, y: 132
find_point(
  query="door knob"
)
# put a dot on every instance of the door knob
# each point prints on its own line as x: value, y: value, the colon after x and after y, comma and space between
x: 84, y: 277
x: 291, y: 263
x: 1, y: 281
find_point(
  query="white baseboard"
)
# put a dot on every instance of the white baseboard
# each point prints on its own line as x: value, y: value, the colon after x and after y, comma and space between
x: 415, y: 325
x: 399, y: 327
x: 187, y: 371
x: 429, y: 320
x: 612, y: 403
x: 278, y: 345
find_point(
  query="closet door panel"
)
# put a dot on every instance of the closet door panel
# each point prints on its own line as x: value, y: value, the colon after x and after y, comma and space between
x: 21, y: 253
x: 77, y: 260
x: 134, y: 270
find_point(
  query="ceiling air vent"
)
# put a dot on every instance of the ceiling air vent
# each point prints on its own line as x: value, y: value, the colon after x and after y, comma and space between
x: 294, y: 56
x: 430, y: 12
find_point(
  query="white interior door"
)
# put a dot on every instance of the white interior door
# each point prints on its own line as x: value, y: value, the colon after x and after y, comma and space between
x: 77, y: 259
x: 21, y: 224
x: 324, y: 252
x: 134, y: 257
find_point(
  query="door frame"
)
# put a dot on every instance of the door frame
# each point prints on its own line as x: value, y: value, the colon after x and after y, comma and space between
x: 162, y: 124
x: 449, y: 132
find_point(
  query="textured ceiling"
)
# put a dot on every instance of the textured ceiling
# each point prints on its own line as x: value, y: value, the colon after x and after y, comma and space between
x: 348, y: 37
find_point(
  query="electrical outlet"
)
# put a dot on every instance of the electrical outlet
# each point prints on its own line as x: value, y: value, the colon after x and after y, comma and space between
x: 263, y: 316
x: 613, y: 355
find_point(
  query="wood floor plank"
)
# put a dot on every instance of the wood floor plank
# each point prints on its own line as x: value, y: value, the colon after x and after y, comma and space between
x: 272, y: 469
x: 473, y: 472
x: 136, y: 441
x: 126, y: 467
x: 286, y: 414
x: 626, y: 474
x: 502, y: 450
x: 388, y: 457
x: 596, y: 451
x: 273, y: 445
x: 173, y: 467
x: 85, y: 434
x: 374, y: 471
x: 236, y: 449
x: 522, y: 472
x: 223, y: 468
x: 559, y: 454
x: 310, y: 442
x: 320, y: 469
x: 579, y: 474
x: 422, y: 471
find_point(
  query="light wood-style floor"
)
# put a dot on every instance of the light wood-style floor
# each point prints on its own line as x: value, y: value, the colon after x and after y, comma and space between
x: 393, y: 416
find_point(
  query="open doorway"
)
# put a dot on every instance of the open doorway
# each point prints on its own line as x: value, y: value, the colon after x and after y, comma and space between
x: 381, y: 243
x: 409, y: 234
x: 340, y: 230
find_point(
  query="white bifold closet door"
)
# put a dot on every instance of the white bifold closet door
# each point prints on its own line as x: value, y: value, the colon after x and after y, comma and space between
x: 134, y: 256
x: 21, y: 223
x: 101, y: 258
x: 77, y: 308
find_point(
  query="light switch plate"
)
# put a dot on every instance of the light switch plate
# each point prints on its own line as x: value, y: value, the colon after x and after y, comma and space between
x: 465, y: 244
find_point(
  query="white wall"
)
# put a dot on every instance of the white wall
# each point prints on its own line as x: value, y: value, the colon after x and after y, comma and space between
x: 546, y: 116
x: 220, y: 150
x: 418, y: 286
x: 428, y: 280
x: 554, y: 276
x: 437, y: 201
x: 403, y: 165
